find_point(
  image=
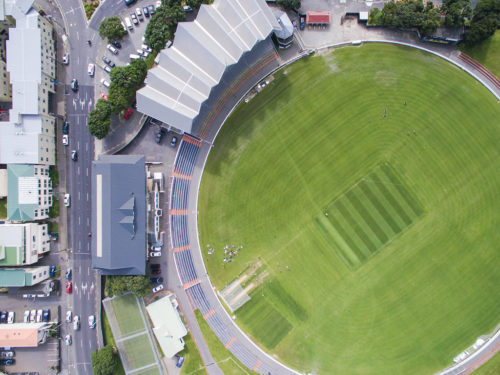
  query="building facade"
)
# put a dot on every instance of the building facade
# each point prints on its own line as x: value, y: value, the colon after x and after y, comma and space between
x: 21, y: 277
x: 23, y: 244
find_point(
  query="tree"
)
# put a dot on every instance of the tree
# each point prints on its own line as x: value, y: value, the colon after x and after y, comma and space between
x: 104, y: 361
x: 289, y: 4
x: 125, y: 81
x: 163, y: 24
x: 112, y: 28
x: 485, y: 22
x: 195, y: 4
x: 118, y: 285
x: 99, y: 119
x: 456, y: 12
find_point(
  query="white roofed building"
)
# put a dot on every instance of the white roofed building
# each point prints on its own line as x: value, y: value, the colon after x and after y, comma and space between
x: 203, y: 49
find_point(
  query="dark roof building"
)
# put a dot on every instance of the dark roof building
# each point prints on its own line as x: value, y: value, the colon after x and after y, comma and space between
x: 283, y: 34
x: 119, y: 240
x: 318, y: 18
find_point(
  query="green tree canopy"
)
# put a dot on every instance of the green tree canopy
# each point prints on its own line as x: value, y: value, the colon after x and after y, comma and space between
x: 485, y: 21
x: 457, y: 11
x: 118, y: 285
x: 289, y: 4
x: 112, y: 28
x: 163, y: 24
x: 104, y: 361
x: 99, y: 119
x: 125, y: 81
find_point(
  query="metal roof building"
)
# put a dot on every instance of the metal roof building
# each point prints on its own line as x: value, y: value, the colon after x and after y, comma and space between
x: 23, y: 335
x: 187, y: 72
x: 119, y: 215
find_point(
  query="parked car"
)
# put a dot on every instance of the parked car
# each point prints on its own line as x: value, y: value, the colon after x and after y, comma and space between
x: 105, y: 83
x: 91, y: 321
x: 155, y: 248
x: 155, y: 254
x: 129, y: 2
x: 116, y: 43
x: 7, y: 354
x: 302, y: 22
x: 26, y: 316
x: 159, y: 135
x: 76, y: 323
x: 108, y: 61
x: 156, y: 271
x: 156, y: 289
x: 52, y: 271
x: 39, y: 315
x: 74, y: 155
x: 151, y: 9
x: 68, y: 274
x: 139, y: 14
x: 67, y: 200
x: 134, y: 19
x: 3, y: 317
x: 169, y: 44
x: 69, y: 287
x: 65, y: 128
x: 67, y: 340
x: 158, y: 3
x: 112, y: 49
x: 69, y: 316
x: 7, y: 362
x: 74, y: 85
x: 107, y: 69
x: 65, y: 59
x: 187, y: 9
x: 180, y: 361
x: 65, y: 140
x: 46, y: 315
x: 10, y: 317
x: 32, y: 316
x: 145, y: 10
x: 173, y: 142
x: 128, y: 114
x: 155, y: 280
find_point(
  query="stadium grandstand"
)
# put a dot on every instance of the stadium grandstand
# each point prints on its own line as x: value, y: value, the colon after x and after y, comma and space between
x: 207, y: 53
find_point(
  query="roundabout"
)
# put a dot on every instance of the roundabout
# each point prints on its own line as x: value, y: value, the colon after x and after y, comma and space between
x: 352, y: 206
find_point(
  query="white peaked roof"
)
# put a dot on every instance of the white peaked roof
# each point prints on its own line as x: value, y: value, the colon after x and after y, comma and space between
x: 203, y: 49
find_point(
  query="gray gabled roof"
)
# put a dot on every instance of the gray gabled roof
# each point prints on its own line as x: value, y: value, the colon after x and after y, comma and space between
x: 119, y: 241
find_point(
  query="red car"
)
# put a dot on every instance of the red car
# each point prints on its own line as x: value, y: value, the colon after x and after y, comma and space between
x: 69, y: 287
x: 128, y: 114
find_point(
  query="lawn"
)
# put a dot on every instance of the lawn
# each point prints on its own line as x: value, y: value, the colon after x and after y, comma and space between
x: 193, y: 363
x: 492, y: 367
x: 127, y: 315
x: 362, y: 185
x: 487, y: 53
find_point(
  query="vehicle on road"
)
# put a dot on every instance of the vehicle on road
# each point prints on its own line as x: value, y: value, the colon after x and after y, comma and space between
x: 105, y: 83
x: 76, y: 323
x: 156, y: 289
x: 91, y: 70
x: 69, y: 287
x: 67, y: 200
x: 46, y: 315
x: 128, y: 114
x: 3, y: 317
x: 7, y: 354
x: 155, y: 254
x: 65, y: 128
x: 67, y: 340
x: 151, y: 9
x: 91, y: 321
x: 155, y: 280
x: 10, y: 317
x: 74, y: 155
x: 173, y: 142
x: 7, y: 362
x: 32, y: 316
x: 65, y: 59
x: 116, y: 43
x: 39, y: 315
x: 159, y: 135
x: 112, y: 49
x: 74, y: 85
x: 65, y: 140
x: 108, y: 61
x: 145, y: 10
x: 68, y: 274
x: 134, y: 19
x: 69, y: 316
x: 26, y: 316
x: 139, y: 14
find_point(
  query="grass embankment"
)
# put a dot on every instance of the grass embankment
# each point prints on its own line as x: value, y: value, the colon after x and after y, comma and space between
x: 3, y: 208
x: 492, y: 367
x: 193, y: 363
x: 423, y: 238
x: 487, y: 53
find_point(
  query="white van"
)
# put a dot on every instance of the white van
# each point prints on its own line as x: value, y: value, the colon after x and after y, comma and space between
x: 134, y: 56
x: 128, y: 23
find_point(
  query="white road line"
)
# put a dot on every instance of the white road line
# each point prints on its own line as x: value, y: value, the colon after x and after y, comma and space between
x: 88, y: 221
x: 79, y: 269
x: 78, y: 145
x: 79, y: 246
x: 77, y: 34
x: 79, y: 194
x: 78, y: 120
x: 79, y: 220
x: 87, y: 197
x: 86, y: 146
x: 78, y: 170
x: 87, y: 172
x: 88, y: 274
x: 88, y: 248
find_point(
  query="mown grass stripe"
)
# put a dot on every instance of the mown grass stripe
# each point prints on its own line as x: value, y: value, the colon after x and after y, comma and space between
x: 345, y: 230
x: 403, y: 190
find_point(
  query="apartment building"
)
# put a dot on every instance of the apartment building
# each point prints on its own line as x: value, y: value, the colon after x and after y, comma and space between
x: 23, y: 244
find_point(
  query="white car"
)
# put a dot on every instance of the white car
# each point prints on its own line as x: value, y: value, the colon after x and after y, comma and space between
x: 32, y: 316
x: 65, y: 59
x: 112, y: 49
x: 155, y: 254
x: 158, y: 3
x: 10, y: 317
x: 91, y: 321
x: 26, y: 316
x: 91, y: 69
x: 156, y: 289
x: 67, y: 200
x: 107, y: 69
x: 69, y: 316
x: 67, y: 340
x: 105, y: 83
x: 76, y: 323
x: 39, y: 316
x: 65, y: 139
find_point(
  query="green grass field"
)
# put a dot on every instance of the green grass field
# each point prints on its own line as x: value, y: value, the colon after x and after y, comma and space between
x: 139, y: 352
x: 193, y: 364
x: 401, y: 150
x: 487, y: 53
x: 127, y: 315
x: 492, y: 367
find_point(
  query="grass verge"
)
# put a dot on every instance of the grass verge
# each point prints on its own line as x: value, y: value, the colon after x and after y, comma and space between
x: 487, y: 53
x: 109, y: 339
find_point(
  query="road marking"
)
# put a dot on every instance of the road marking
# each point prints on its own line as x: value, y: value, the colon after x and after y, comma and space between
x: 84, y: 288
x: 87, y: 172
x: 88, y: 245
x: 82, y: 104
x: 79, y: 193
x: 79, y: 269
x: 77, y: 34
x: 86, y: 146
x: 74, y: 103
x: 78, y: 170
x: 78, y: 120
x: 88, y: 274
x: 87, y: 197
x: 79, y: 246
x: 78, y: 145
x: 88, y: 221
x: 79, y: 220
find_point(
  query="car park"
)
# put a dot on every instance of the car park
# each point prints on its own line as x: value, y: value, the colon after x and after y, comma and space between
x: 7, y: 362
x: 155, y: 254
x: 67, y: 200
x: 26, y: 316
x: 155, y: 280
x: 116, y: 43
x: 128, y: 114
x: 74, y: 155
x: 91, y: 70
x: 159, y: 135
x: 67, y: 340
x: 151, y: 9
x: 74, y: 85
x: 105, y: 83
x: 173, y: 142
x: 108, y: 61
x: 156, y: 289
x: 139, y: 14
x: 69, y: 287
x: 107, y: 69
x: 69, y: 316
x: 91, y: 321
x: 76, y: 323
x: 65, y: 128
x: 145, y: 10
x: 46, y: 315
x: 112, y: 49
x: 65, y: 59
x: 7, y: 354
x: 10, y: 317
x: 68, y: 274
x: 134, y: 19
x: 32, y: 316
x: 65, y: 140
x: 3, y: 317
x: 39, y: 316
